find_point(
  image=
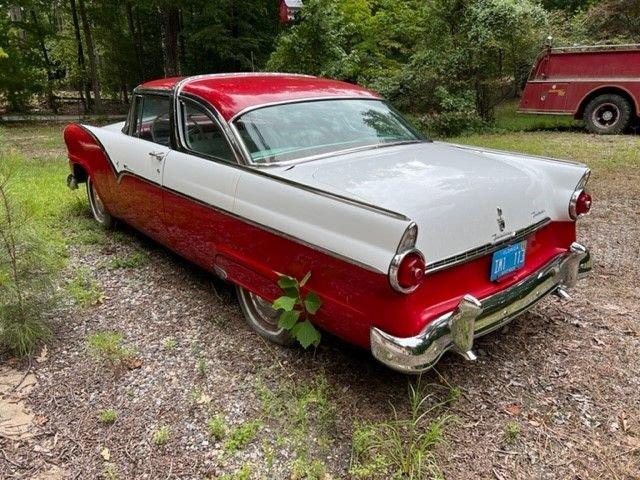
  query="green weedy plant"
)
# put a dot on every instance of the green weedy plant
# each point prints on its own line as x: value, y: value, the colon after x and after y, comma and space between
x: 26, y: 274
x: 107, y: 346
x: 297, y: 310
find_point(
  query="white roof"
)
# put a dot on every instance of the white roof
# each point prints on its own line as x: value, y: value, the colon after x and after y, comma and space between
x: 293, y: 3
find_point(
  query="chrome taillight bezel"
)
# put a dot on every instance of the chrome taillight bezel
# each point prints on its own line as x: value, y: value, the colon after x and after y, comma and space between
x: 405, y: 247
x: 573, y: 202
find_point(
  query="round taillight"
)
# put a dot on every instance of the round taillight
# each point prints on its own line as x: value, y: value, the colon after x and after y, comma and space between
x: 411, y: 270
x: 583, y: 203
x: 580, y: 204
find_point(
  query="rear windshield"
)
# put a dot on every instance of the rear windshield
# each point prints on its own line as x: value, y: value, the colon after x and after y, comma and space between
x: 294, y: 131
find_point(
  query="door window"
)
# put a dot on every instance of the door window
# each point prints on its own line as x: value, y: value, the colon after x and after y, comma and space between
x: 202, y: 134
x: 153, y: 119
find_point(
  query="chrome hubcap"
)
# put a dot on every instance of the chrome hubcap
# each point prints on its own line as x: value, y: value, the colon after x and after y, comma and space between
x: 262, y: 313
x: 606, y: 115
x: 99, y: 212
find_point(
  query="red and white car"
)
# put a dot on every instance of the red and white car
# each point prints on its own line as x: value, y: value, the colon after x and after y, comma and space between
x: 415, y: 247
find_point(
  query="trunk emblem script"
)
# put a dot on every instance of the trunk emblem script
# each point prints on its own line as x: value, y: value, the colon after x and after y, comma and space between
x: 501, y: 222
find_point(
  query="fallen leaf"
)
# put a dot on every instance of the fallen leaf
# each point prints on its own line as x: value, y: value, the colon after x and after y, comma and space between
x: 513, y: 409
x: 43, y: 355
x: 40, y: 420
x: 133, y: 363
x: 622, y: 416
x: 535, y: 423
x: 105, y: 454
x: 204, y: 398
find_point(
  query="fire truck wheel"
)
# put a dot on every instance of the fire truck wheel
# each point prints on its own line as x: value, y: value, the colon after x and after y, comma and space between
x: 607, y: 114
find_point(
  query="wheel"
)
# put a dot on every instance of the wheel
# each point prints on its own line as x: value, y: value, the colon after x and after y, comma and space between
x: 607, y: 114
x: 97, y: 207
x: 261, y: 316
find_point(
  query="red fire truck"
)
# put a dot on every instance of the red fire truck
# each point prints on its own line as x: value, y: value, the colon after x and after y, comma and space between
x: 600, y: 84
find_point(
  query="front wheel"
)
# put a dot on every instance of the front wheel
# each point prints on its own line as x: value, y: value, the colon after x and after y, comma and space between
x: 97, y: 207
x: 608, y: 114
x: 262, y: 317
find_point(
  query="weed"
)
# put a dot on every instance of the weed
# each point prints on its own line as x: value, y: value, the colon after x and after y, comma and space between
x: 302, y: 469
x: 512, y: 430
x: 201, y: 366
x: 217, y: 427
x: 107, y: 346
x: 161, y: 436
x: 242, y: 436
x: 131, y: 260
x: 400, y: 447
x: 169, y: 344
x: 108, y: 416
x: 243, y: 474
x: 110, y: 472
x: 84, y: 290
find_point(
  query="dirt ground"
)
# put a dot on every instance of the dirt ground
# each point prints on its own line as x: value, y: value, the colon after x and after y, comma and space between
x: 555, y: 395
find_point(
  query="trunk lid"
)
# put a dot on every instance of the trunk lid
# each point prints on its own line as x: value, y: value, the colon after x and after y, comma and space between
x: 460, y: 198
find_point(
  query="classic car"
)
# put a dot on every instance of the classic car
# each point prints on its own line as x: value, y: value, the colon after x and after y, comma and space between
x: 415, y: 247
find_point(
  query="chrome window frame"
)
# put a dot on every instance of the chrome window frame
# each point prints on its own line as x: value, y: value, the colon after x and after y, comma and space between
x: 213, y: 114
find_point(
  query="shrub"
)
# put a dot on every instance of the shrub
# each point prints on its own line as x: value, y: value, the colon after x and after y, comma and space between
x: 451, y: 124
x: 26, y: 274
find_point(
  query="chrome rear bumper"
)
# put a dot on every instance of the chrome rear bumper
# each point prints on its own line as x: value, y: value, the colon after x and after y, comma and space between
x: 474, y: 318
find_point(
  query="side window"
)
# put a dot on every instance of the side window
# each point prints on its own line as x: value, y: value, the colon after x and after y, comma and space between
x: 202, y: 133
x: 152, y: 121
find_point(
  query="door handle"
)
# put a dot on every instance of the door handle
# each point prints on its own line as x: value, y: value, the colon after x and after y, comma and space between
x: 157, y: 155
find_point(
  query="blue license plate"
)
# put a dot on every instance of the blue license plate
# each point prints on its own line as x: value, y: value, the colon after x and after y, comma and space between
x: 507, y: 260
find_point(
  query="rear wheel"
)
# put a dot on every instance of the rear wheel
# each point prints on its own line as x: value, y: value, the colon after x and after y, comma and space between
x: 97, y: 207
x: 261, y: 316
x: 608, y: 114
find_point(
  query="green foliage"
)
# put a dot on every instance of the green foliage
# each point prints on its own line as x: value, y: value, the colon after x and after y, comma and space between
x: 512, y: 430
x: 305, y: 415
x: 403, y: 446
x: 107, y: 346
x: 297, y: 310
x: 27, y: 268
x: 84, y: 289
x: 131, y: 260
x: 161, y: 436
x: 243, y: 474
x: 242, y: 436
x: 451, y: 124
x: 217, y: 427
x: 108, y: 416
x: 304, y: 470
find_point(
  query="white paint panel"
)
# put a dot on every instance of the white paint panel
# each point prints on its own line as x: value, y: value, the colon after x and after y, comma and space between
x: 211, y: 182
x: 364, y: 236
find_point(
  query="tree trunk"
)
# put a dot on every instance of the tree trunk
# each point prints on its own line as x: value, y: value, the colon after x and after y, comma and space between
x: 91, y: 53
x: 51, y: 99
x: 136, y: 46
x: 81, y: 67
x: 170, y: 33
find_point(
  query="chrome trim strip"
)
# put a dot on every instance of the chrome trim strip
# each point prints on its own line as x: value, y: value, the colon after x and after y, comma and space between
x: 453, y: 329
x: 485, y: 249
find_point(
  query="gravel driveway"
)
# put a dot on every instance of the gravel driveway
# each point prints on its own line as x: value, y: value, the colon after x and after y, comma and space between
x: 555, y: 395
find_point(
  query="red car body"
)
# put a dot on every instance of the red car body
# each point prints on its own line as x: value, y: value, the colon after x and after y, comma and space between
x: 356, y: 299
x: 565, y: 80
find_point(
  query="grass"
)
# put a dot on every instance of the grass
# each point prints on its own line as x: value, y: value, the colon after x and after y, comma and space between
x: 161, y: 436
x: 306, y: 418
x: 132, y: 260
x: 217, y: 427
x: 507, y: 119
x: 401, y: 447
x: 107, y: 346
x: 511, y: 432
x: 107, y: 416
x: 241, y: 436
x: 84, y: 289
